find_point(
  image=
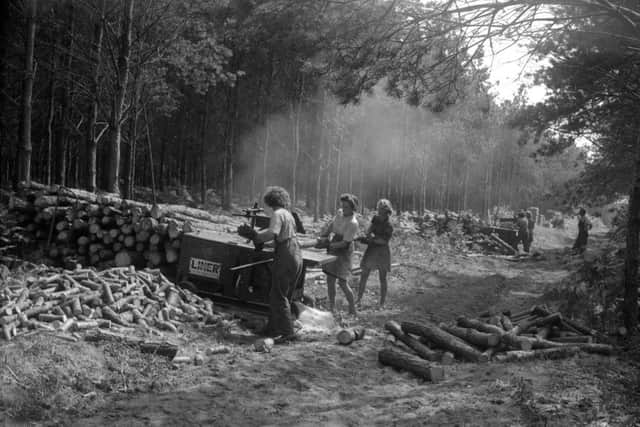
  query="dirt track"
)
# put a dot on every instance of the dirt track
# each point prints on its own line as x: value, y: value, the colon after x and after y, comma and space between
x: 317, y: 382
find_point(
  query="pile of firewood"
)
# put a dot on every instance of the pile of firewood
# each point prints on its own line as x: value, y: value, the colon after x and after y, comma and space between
x: 489, y: 243
x: 77, y: 227
x: 120, y: 299
x: 537, y: 333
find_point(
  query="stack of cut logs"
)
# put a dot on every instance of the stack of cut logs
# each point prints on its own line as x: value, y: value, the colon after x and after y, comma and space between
x: 120, y: 299
x: 536, y: 333
x: 78, y: 227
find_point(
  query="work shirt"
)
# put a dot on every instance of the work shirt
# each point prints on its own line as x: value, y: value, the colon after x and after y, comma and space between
x: 523, y: 225
x: 345, y: 226
x: 282, y: 225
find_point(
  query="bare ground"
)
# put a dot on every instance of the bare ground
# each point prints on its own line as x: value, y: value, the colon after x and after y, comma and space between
x: 315, y: 381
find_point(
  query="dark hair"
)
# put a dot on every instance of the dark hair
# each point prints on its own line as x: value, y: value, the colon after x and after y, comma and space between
x: 351, y: 199
x: 582, y: 211
x: 521, y: 214
x: 529, y: 214
x: 276, y: 197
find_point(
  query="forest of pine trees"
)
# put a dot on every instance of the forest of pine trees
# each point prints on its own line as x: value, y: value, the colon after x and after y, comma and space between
x: 320, y: 97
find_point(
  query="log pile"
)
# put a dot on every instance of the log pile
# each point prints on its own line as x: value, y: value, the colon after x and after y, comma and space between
x: 120, y: 299
x: 537, y: 333
x: 77, y: 227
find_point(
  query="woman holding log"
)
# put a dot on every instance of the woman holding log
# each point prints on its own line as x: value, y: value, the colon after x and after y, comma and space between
x: 287, y: 263
x: 343, y: 230
x: 377, y: 256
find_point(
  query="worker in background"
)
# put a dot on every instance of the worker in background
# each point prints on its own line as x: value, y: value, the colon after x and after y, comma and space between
x: 584, y: 225
x: 523, y: 231
x: 343, y: 230
x: 530, y: 226
x: 287, y: 261
x: 377, y: 256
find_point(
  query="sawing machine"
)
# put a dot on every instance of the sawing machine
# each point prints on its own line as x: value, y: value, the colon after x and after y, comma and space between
x: 231, y: 270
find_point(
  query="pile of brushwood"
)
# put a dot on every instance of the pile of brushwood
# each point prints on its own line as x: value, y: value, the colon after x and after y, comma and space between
x: 423, y: 348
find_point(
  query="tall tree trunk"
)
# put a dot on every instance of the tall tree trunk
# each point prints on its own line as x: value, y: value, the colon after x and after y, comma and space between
x: 92, y: 137
x: 62, y: 137
x: 319, y: 122
x: 465, y: 186
x: 296, y: 142
x: 117, y: 109
x: 630, y: 311
x: 27, y: 91
x: 361, y: 192
x: 150, y: 151
x: 50, y: 115
x: 4, y: 85
x: 336, y: 191
x: 229, y: 147
x: 162, y: 179
x: 130, y: 168
x: 327, y: 175
x: 265, y: 152
x: 203, y: 150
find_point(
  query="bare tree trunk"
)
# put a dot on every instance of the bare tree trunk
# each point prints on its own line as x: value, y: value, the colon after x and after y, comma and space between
x: 229, y: 147
x: 296, y: 142
x: 361, y: 192
x: 133, y: 138
x: 27, y: 91
x: 465, y: 186
x: 327, y: 187
x: 203, y: 150
x: 151, y: 164
x: 92, y: 137
x: 62, y: 138
x: 254, y: 166
x: 630, y: 310
x: 51, y: 115
x: 162, y: 181
x: 336, y: 191
x: 403, y: 151
x: 350, y: 171
x: 265, y: 153
x: 117, y: 109
x: 321, y: 143
x: 4, y: 84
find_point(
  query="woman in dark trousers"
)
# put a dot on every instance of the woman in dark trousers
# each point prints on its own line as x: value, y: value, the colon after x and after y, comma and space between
x: 523, y: 231
x: 287, y: 263
x: 584, y: 225
x: 377, y: 256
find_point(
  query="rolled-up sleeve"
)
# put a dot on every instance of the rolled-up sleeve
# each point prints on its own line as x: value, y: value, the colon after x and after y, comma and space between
x: 275, y: 224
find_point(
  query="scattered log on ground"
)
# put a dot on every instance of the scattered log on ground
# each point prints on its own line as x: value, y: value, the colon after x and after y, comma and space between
x: 413, y: 343
x: 413, y: 364
x: 549, y: 353
x: 444, y: 340
x: 556, y: 352
x: 161, y: 348
x: 573, y: 339
x: 349, y: 335
x: 550, y: 319
x: 479, y: 325
x: 472, y: 336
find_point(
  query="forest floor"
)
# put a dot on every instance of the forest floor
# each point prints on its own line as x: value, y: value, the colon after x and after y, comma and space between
x: 315, y: 381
